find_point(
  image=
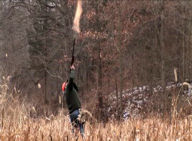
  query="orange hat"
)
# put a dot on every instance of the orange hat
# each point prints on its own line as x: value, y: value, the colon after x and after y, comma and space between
x: 64, y: 86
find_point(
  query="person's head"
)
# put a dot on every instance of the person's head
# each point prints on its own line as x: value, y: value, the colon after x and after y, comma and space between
x: 64, y: 85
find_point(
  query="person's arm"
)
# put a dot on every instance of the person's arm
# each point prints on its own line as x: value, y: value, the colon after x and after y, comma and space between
x: 76, y: 88
x: 71, y: 77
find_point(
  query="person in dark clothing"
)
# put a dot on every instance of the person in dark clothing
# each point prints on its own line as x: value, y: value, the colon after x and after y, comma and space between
x: 70, y: 91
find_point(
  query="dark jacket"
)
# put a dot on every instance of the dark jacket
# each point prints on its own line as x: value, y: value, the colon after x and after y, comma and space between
x: 71, y: 95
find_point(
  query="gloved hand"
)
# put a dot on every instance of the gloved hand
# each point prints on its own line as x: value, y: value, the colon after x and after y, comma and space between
x: 72, y: 67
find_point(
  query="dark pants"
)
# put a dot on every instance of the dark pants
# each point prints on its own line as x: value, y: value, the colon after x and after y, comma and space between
x: 75, y: 122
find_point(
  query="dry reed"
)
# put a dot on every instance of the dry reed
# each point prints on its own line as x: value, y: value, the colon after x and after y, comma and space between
x: 59, y: 128
x: 17, y: 125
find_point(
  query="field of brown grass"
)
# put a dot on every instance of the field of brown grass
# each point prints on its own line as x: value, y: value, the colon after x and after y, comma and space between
x: 16, y: 124
x: 21, y: 128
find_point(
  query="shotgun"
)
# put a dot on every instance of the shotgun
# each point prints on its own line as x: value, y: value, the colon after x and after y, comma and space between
x: 73, y: 50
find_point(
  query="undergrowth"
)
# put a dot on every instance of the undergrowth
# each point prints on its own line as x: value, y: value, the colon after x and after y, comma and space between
x: 16, y: 124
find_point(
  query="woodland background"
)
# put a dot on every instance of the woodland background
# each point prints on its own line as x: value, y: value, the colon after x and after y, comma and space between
x: 122, y: 44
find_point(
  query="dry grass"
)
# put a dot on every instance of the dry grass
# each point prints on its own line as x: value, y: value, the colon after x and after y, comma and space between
x: 17, y: 125
x: 21, y: 128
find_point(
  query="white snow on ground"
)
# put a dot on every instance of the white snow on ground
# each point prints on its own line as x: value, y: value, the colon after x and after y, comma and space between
x: 134, y: 99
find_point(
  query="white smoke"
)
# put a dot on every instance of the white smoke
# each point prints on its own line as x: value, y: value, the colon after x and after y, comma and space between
x: 76, y: 22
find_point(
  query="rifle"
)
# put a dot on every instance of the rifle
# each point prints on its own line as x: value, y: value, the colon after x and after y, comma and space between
x: 73, y: 50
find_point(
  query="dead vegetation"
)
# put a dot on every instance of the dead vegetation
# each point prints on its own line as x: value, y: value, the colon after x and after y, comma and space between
x: 59, y: 128
x: 17, y: 125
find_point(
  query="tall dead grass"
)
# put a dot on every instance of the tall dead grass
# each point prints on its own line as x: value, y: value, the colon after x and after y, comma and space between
x: 59, y: 128
x: 17, y: 125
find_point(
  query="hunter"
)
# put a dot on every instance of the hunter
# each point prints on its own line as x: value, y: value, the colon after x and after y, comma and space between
x: 70, y: 91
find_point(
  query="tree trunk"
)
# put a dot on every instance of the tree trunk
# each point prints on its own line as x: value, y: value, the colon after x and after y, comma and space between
x: 161, y: 44
x: 100, y: 94
x: 183, y: 44
x: 44, y: 9
x: 121, y: 84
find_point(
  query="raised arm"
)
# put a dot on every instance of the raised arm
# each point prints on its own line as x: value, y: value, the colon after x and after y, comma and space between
x: 71, y: 76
